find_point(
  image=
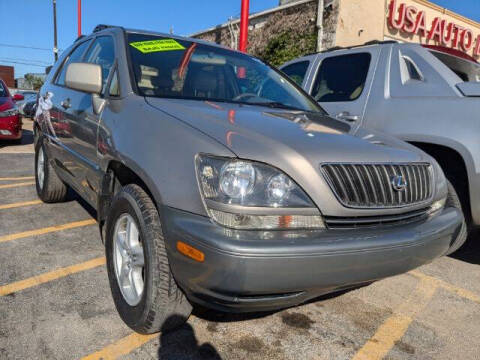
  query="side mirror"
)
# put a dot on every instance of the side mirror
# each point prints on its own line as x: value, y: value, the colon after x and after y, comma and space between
x: 84, y: 77
x: 18, y: 97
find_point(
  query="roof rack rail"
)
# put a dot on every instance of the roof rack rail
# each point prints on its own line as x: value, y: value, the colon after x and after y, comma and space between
x: 101, y: 27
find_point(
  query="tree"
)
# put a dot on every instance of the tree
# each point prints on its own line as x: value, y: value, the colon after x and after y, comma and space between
x: 35, y: 81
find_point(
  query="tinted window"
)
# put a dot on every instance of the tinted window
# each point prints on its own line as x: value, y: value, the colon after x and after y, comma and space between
x: 3, y: 91
x: 413, y: 72
x: 178, y: 68
x: 341, y: 78
x: 114, y: 90
x: 75, y: 56
x: 466, y: 70
x: 102, y: 53
x: 297, y: 71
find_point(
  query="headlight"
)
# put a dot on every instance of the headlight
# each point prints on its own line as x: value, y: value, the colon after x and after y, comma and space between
x: 250, y: 195
x: 9, y: 112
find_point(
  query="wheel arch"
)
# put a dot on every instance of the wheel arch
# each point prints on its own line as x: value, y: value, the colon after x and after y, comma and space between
x: 119, y: 174
x: 452, y: 163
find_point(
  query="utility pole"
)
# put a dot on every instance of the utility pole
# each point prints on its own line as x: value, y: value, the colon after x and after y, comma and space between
x: 244, y: 26
x: 320, y: 9
x: 79, y: 11
x: 55, y: 49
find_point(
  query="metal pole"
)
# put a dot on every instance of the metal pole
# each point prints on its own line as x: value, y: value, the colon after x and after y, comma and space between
x: 320, y: 9
x: 79, y: 11
x: 244, y: 26
x: 55, y: 49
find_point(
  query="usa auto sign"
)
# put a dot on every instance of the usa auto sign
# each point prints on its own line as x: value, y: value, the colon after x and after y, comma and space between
x: 410, y: 20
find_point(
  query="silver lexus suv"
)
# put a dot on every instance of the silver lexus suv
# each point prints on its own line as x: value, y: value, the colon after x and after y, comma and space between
x: 218, y: 181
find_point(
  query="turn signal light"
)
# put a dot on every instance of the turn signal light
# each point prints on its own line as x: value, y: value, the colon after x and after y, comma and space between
x: 190, y: 251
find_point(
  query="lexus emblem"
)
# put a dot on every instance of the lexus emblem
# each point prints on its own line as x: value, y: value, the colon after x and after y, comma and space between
x: 399, y: 183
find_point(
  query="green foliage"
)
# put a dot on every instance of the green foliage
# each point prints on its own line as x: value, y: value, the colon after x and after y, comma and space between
x: 288, y: 46
x: 35, y: 81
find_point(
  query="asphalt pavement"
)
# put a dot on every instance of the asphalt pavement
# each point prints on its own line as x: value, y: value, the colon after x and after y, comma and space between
x: 55, y: 300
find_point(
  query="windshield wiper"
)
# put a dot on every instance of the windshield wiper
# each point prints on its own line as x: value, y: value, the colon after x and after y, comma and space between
x: 274, y: 104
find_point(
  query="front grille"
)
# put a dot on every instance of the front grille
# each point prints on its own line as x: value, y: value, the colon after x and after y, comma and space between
x: 370, y: 185
x: 335, y: 222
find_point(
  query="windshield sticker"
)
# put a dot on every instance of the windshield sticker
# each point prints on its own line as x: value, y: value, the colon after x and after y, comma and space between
x: 150, y: 46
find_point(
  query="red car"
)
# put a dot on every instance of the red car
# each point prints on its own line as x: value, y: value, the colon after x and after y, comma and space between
x: 10, y: 119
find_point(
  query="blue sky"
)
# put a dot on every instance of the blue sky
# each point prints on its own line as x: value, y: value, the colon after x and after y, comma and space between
x: 29, y: 22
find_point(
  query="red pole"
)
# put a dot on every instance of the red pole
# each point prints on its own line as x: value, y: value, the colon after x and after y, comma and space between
x: 79, y: 11
x: 244, y: 26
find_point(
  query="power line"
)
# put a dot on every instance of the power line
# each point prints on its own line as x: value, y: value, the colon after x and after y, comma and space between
x: 23, y: 63
x: 26, y: 47
x: 29, y: 60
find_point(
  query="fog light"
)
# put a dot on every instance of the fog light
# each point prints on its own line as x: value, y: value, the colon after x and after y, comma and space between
x: 437, y: 206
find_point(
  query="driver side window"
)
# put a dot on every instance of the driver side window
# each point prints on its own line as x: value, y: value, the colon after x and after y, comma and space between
x: 102, y: 53
x: 341, y: 78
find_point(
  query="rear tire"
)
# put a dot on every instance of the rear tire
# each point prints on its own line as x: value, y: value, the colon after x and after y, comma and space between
x: 50, y: 188
x: 160, y: 305
x: 454, y: 201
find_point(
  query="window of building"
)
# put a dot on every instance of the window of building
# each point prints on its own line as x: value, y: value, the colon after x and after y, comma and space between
x: 75, y: 56
x: 102, y: 53
x: 297, y: 71
x: 341, y: 78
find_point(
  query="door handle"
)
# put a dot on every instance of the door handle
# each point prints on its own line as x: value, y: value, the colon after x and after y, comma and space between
x: 345, y: 115
x: 66, y: 104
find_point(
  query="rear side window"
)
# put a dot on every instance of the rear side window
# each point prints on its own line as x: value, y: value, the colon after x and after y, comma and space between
x: 297, y: 71
x: 75, y: 56
x: 341, y: 78
x: 102, y: 53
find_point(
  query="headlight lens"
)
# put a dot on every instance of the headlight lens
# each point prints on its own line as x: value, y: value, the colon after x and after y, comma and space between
x: 9, y: 112
x: 249, y: 195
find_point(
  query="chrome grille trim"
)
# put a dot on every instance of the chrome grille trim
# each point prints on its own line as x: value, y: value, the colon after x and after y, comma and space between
x: 369, y: 186
x: 333, y: 222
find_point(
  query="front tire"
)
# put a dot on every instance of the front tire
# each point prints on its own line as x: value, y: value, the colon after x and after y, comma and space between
x: 50, y: 188
x: 143, y: 288
x: 454, y: 201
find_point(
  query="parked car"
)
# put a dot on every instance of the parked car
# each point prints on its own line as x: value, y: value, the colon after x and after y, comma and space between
x: 29, y: 96
x: 10, y: 120
x: 218, y: 181
x: 426, y: 95
x: 29, y: 108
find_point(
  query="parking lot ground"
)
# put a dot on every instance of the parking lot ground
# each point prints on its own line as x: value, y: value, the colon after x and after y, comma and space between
x: 55, y: 300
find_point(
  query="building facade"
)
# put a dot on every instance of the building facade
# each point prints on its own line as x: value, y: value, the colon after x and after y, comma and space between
x: 298, y: 27
x: 7, y: 75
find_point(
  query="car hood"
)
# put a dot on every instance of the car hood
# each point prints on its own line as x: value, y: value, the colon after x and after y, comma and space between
x: 296, y: 142
x: 253, y: 132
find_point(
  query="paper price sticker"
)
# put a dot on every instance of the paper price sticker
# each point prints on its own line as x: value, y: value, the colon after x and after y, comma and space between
x: 157, y: 45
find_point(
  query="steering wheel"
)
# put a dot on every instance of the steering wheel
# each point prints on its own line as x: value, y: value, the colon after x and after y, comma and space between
x: 244, y: 95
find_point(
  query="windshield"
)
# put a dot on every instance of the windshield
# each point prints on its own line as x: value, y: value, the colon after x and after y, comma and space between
x: 173, y: 68
x: 3, y: 91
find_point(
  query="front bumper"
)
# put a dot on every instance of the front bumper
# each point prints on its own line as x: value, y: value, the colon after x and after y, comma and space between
x: 264, y: 270
x: 11, y: 127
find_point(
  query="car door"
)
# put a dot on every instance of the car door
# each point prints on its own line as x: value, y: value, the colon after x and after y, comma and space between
x: 342, y: 81
x: 84, y: 121
x: 54, y: 122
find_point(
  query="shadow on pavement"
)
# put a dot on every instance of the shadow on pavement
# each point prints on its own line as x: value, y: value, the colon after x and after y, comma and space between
x: 27, y: 139
x: 182, y: 344
x: 470, y: 251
